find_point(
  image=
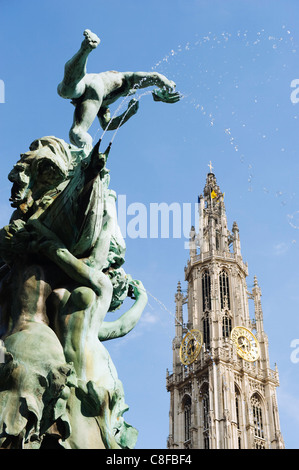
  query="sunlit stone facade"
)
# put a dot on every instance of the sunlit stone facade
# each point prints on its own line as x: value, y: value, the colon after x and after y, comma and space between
x: 220, y: 401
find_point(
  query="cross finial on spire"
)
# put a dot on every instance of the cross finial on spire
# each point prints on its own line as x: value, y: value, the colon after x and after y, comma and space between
x: 210, y: 166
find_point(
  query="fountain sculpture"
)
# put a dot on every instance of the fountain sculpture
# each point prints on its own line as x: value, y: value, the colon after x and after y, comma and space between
x: 61, y: 274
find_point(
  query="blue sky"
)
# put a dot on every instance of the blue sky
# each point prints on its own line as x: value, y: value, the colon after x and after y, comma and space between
x: 234, y: 62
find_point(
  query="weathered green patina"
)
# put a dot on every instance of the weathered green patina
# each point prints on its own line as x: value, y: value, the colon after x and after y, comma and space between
x: 93, y: 93
x: 62, y: 256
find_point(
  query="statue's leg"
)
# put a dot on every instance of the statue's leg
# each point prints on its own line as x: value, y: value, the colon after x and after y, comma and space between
x: 73, y: 84
x: 76, y: 325
x: 85, y: 113
x: 72, y: 323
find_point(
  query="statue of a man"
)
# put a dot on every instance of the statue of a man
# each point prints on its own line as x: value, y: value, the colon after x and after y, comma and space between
x: 93, y: 93
x: 63, y: 253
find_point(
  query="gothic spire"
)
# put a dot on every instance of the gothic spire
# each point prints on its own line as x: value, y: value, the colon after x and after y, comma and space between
x: 213, y: 233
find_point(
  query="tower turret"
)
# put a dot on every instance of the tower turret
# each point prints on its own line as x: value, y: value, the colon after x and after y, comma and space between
x: 236, y: 239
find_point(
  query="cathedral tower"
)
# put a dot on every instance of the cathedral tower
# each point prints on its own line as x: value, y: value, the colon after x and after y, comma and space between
x: 222, y: 390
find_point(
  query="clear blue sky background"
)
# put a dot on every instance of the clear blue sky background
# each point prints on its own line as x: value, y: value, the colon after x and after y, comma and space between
x: 233, y: 61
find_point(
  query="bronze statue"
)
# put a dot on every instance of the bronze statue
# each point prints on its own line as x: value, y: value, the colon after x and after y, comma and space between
x: 93, y: 93
x: 55, y: 293
x: 62, y: 274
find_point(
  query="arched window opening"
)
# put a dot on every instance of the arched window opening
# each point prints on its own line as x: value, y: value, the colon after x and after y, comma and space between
x: 217, y: 241
x: 206, y: 331
x: 238, y: 415
x: 224, y: 290
x: 187, y: 417
x: 237, y: 401
x: 206, y: 419
x: 257, y: 414
x: 226, y: 325
x: 206, y: 291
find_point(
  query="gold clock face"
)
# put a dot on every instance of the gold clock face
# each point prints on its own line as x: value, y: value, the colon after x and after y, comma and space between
x: 190, y: 346
x: 246, y: 344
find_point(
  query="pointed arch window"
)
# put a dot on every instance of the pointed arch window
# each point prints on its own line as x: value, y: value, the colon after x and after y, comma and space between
x: 237, y: 401
x: 257, y: 414
x: 217, y: 240
x: 187, y: 417
x: 206, y: 418
x: 226, y: 325
x: 206, y: 290
x: 238, y: 415
x: 224, y: 290
x: 206, y: 331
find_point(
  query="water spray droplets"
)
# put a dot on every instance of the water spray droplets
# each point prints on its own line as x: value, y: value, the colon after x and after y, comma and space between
x: 218, y: 79
x: 209, y: 82
x: 161, y: 304
x: 293, y: 220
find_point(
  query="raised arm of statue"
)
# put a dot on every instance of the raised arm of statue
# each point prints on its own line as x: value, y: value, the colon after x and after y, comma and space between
x: 49, y: 245
x: 138, y: 80
x: 126, y: 322
x: 111, y: 124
